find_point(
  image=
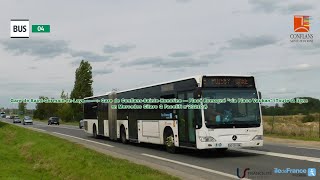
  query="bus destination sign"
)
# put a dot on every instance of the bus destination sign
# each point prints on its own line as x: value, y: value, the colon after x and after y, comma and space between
x: 228, y: 82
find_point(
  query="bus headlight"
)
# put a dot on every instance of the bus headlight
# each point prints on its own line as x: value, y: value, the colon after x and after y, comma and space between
x: 257, y: 137
x: 206, y: 139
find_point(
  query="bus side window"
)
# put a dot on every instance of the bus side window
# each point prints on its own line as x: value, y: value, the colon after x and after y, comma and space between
x: 167, y: 113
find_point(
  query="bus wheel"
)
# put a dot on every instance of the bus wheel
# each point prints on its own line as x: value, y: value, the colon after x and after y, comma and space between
x: 169, y: 142
x: 94, y: 132
x: 123, y: 135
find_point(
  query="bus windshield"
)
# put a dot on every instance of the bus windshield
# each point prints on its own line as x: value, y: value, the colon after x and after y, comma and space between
x: 231, y: 115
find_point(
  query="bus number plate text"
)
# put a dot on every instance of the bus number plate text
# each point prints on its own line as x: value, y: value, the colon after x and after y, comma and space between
x: 234, y: 145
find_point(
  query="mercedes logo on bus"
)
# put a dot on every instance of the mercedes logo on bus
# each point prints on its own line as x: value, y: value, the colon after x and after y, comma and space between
x: 234, y: 137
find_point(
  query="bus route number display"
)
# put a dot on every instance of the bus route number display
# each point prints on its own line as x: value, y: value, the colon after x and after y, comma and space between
x: 243, y: 82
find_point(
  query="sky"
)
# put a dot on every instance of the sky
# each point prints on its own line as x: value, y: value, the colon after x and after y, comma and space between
x: 137, y: 43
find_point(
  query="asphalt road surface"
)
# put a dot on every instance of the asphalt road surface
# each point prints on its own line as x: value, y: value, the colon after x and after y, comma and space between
x: 207, y: 164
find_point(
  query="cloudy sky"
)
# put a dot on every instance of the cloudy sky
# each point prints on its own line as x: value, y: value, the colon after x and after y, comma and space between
x: 135, y: 43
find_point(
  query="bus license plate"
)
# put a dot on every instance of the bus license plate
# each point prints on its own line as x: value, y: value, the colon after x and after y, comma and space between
x: 234, y: 145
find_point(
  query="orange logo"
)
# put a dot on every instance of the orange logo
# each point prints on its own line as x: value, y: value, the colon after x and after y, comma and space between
x: 301, y: 23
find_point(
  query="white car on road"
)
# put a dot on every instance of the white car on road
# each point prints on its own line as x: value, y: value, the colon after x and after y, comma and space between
x: 16, y: 119
x: 27, y: 120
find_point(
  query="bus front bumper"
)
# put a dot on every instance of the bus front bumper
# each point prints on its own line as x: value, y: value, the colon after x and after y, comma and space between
x: 229, y: 145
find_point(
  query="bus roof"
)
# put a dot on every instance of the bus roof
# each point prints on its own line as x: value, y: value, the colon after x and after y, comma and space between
x: 196, y: 77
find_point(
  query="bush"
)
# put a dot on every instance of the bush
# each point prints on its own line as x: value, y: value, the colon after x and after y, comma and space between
x: 308, y: 118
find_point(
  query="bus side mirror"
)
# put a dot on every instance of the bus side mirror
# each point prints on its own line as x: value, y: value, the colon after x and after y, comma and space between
x: 260, y: 95
x: 197, y: 93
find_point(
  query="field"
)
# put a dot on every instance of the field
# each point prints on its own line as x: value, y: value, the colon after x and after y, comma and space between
x: 26, y: 154
x: 293, y: 126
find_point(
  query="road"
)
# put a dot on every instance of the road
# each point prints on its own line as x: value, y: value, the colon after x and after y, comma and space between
x: 203, y: 164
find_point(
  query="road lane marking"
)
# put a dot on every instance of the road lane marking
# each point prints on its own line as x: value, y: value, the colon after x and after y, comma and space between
x: 84, y: 139
x: 305, y: 148
x: 289, y: 156
x: 193, y: 166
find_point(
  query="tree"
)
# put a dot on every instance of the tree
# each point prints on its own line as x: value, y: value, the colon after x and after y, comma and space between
x: 64, y: 109
x: 22, y: 107
x: 45, y: 110
x: 82, y: 88
x: 312, y: 106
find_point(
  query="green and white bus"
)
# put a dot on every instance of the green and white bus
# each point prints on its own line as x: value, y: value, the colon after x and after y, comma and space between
x: 200, y: 112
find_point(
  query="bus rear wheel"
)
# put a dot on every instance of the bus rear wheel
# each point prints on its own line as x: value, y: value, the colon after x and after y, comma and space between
x: 169, y: 142
x: 94, y: 132
x: 123, y: 135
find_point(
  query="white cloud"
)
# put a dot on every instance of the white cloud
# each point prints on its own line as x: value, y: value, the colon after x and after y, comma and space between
x: 303, y: 67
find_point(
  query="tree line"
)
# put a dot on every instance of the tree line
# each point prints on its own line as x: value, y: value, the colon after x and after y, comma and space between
x: 313, y: 106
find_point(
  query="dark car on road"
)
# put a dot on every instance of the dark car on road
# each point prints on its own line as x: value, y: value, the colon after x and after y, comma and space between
x: 53, y: 120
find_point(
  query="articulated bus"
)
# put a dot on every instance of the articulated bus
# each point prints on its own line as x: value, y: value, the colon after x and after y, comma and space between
x: 201, y: 112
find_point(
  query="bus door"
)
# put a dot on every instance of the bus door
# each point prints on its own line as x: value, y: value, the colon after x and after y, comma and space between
x: 133, y: 125
x: 100, y: 119
x: 186, y: 122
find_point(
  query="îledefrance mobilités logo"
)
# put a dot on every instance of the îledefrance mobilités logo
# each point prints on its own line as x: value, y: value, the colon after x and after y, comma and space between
x: 301, y: 172
x: 301, y: 29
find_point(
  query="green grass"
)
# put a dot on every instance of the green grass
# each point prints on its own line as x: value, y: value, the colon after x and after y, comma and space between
x: 26, y: 154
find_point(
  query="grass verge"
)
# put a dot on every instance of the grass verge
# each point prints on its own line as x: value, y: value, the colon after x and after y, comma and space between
x: 26, y: 154
x: 291, y: 127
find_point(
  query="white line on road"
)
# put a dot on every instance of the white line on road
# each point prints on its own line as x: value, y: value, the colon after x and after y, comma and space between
x: 289, y: 156
x: 84, y: 139
x: 192, y: 166
x: 305, y: 148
